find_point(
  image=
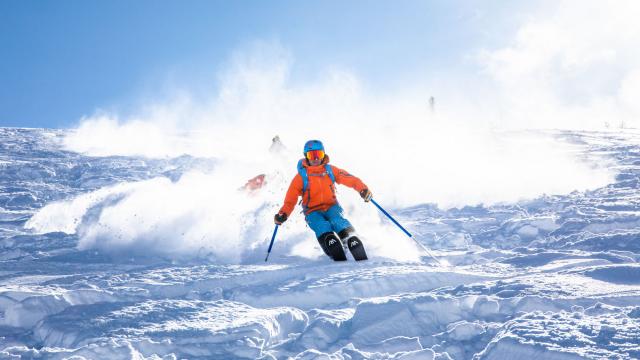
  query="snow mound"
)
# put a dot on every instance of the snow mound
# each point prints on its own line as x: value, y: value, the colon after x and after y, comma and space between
x: 567, y: 335
x: 617, y: 274
x: 196, y: 328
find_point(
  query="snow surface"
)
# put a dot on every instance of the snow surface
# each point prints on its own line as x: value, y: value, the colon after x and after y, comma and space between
x: 99, y: 260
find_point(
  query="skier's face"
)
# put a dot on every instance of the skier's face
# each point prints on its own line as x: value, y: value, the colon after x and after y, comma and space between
x: 315, y: 157
x: 315, y: 162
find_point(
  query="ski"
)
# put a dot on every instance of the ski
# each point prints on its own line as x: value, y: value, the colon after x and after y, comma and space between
x: 356, y: 248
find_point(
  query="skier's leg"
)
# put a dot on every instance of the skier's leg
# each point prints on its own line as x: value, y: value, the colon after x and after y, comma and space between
x: 335, y: 215
x: 318, y: 223
x: 346, y: 232
x: 325, y: 235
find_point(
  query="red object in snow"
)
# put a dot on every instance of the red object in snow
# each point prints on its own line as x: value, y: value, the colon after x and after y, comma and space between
x: 254, y: 183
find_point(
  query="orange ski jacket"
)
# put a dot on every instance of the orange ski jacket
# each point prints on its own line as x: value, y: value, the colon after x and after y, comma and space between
x: 320, y: 193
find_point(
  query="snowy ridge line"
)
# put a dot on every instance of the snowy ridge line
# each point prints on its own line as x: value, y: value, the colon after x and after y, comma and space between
x: 26, y: 306
x: 333, y: 291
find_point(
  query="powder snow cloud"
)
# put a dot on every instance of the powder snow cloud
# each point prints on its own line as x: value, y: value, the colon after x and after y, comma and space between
x: 557, y: 71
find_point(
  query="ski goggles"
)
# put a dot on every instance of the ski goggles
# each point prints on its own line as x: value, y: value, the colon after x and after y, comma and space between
x: 315, y: 155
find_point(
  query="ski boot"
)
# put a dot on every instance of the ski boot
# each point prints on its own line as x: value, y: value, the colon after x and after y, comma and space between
x: 353, y: 243
x: 332, y: 246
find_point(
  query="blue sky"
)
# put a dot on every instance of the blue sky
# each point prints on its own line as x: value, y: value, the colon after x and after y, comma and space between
x: 65, y: 59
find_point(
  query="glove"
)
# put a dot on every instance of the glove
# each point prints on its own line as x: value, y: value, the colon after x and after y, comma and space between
x: 280, y: 218
x: 366, y: 195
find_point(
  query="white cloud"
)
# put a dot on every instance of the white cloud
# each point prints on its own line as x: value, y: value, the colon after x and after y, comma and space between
x: 570, y: 66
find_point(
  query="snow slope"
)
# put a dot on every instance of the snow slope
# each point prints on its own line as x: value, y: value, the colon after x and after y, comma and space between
x: 89, y: 270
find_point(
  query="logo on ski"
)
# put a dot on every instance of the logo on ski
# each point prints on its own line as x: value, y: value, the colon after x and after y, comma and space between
x: 353, y: 243
x: 332, y: 241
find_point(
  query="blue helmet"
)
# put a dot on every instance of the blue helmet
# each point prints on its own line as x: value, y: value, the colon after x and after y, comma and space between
x: 313, y: 145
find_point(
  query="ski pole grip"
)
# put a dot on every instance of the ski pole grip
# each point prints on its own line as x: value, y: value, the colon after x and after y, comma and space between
x: 391, y: 218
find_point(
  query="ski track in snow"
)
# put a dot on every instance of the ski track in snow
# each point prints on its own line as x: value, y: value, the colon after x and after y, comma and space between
x: 555, y: 277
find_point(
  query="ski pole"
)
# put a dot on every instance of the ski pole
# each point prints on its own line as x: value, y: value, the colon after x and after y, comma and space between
x: 405, y: 231
x: 271, y: 244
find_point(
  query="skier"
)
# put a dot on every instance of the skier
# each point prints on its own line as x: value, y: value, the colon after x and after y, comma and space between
x: 315, y: 182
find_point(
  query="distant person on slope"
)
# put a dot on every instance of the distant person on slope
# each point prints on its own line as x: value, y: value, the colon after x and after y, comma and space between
x: 315, y: 182
x: 277, y: 147
x: 253, y: 185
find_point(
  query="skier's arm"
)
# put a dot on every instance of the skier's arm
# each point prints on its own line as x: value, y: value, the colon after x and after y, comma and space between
x: 290, y: 200
x: 346, y: 179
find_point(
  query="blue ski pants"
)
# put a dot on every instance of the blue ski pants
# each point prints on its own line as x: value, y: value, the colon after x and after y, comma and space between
x: 327, y: 221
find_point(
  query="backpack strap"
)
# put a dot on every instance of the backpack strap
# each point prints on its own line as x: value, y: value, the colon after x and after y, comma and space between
x: 303, y: 174
x: 329, y: 171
